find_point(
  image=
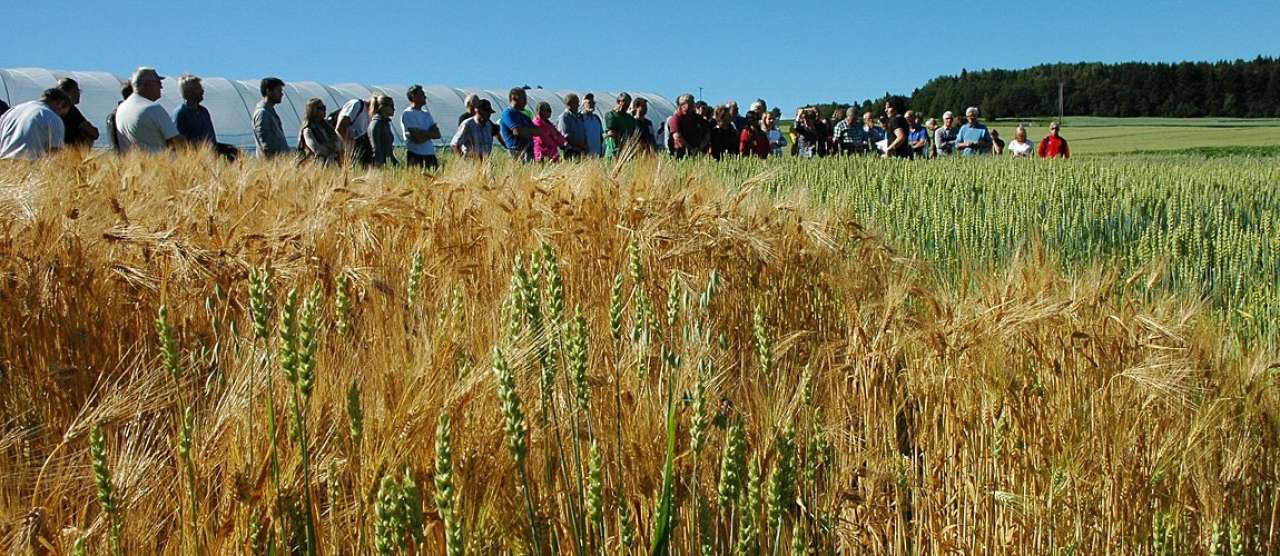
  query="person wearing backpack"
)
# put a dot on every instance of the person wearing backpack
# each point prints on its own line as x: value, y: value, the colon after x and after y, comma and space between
x: 352, y: 124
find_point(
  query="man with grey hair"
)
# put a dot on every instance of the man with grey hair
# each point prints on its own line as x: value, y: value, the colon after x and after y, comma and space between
x: 759, y: 107
x: 32, y: 129
x: 141, y: 123
x: 470, y: 103
x: 268, y: 131
x: 973, y: 137
x: 194, y: 121
x: 944, y: 138
x: 685, y: 129
x: 739, y: 121
x: 572, y: 127
x: 80, y: 133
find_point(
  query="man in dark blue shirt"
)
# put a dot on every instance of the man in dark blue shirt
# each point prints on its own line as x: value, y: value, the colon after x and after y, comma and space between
x: 193, y: 120
x: 515, y: 126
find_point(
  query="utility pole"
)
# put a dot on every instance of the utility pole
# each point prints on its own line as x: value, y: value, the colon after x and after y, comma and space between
x: 699, y: 93
x: 1060, y: 112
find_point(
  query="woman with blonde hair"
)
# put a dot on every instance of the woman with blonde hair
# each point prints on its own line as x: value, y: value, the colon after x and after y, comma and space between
x: 1020, y: 146
x: 381, y: 137
x: 317, y: 139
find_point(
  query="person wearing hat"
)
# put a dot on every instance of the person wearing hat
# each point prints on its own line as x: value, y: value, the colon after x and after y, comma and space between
x: 419, y: 130
x: 474, y: 138
x: 141, y: 123
x: 32, y: 129
x: 1054, y: 145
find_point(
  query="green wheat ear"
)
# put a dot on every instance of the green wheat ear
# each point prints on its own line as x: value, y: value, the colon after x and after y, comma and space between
x: 446, y: 495
x: 168, y: 345
x: 106, y: 490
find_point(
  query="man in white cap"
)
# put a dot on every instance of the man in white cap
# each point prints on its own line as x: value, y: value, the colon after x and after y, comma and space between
x: 32, y: 129
x: 141, y: 123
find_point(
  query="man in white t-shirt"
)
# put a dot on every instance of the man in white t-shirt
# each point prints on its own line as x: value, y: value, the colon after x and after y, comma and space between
x: 32, y: 129
x: 141, y: 123
x: 353, y: 128
x: 420, y: 130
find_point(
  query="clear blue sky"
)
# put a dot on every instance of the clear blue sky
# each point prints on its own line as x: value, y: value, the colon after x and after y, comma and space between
x: 789, y: 52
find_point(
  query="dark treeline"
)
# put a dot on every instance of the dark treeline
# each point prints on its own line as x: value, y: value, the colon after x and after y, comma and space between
x: 1238, y: 89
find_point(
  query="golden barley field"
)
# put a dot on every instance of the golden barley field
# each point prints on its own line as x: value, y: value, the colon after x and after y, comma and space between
x: 645, y: 357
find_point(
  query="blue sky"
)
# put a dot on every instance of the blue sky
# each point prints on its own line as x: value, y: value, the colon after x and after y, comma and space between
x: 789, y: 52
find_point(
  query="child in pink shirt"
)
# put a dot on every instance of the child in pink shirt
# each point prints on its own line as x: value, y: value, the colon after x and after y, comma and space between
x: 548, y: 140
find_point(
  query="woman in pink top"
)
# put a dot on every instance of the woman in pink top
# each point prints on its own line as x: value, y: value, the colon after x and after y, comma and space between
x: 548, y: 140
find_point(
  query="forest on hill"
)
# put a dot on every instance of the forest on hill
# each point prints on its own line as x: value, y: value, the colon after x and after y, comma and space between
x: 1229, y: 89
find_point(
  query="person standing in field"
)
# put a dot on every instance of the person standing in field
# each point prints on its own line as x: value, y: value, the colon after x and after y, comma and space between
x: 33, y: 129
x: 571, y: 126
x: 777, y: 141
x: 725, y: 140
x: 141, y: 123
x: 419, y: 130
x: 317, y: 139
x: 193, y: 119
x: 592, y: 127
x: 353, y: 128
x: 973, y: 137
x: 80, y: 133
x: 517, y: 127
x: 806, y: 133
x: 646, y: 139
x: 917, y: 136
x: 849, y: 136
x: 268, y: 132
x: 997, y: 144
x: 1054, y: 145
x: 1020, y: 147
x: 113, y: 136
x: 474, y: 138
x: 944, y: 139
x: 754, y: 140
x: 739, y: 122
x: 873, y: 132
x: 547, y: 140
x: 619, y: 126
x: 685, y: 128
x: 381, y: 136
x: 897, y: 132
x: 931, y: 127
x: 760, y: 107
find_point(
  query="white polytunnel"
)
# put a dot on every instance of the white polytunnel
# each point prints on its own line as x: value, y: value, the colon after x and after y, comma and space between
x: 231, y: 102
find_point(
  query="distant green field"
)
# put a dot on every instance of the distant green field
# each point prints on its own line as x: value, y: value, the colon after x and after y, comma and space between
x: 1090, y: 135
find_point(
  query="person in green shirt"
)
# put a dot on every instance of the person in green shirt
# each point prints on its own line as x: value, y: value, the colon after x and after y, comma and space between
x: 619, y: 126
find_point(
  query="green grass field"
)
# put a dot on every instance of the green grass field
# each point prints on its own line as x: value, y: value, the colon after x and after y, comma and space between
x: 1089, y: 135
x: 1093, y: 136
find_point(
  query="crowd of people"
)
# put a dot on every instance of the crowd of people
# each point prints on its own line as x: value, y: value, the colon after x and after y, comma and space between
x: 361, y: 131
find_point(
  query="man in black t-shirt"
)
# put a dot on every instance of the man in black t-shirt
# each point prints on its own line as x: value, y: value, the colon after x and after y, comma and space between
x: 896, y: 132
x: 80, y: 133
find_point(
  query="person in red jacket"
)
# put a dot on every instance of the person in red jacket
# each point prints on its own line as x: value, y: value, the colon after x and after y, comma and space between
x: 1054, y: 145
x: 754, y: 140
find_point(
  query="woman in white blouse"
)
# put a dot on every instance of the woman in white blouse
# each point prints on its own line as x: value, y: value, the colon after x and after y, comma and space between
x: 1020, y: 146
